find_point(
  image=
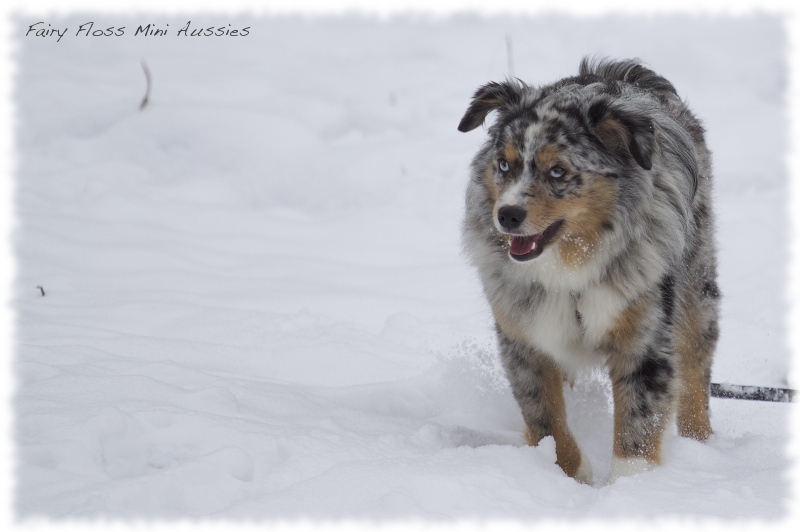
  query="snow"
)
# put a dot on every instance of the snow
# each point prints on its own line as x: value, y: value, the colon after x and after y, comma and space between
x: 256, y: 305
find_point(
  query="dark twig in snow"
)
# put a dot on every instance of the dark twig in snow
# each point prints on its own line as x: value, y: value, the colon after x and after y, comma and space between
x: 146, y: 98
x: 40, y: 288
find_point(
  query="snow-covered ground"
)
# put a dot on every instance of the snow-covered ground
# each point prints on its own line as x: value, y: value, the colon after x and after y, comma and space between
x: 255, y: 304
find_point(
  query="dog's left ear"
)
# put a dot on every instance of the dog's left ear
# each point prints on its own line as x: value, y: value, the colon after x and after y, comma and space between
x: 492, y: 96
x: 624, y: 132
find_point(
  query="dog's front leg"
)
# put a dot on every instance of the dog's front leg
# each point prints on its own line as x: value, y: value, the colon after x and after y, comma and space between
x: 642, y: 366
x: 537, y: 384
x: 643, y: 389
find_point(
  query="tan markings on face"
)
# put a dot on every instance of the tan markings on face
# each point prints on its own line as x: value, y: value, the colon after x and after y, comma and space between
x: 547, y: 157
x: 694, y: 356
x: 584, y: 218
x: 584, y: 215
x: 542, y: 208
x: 490, y: 183
x: 510, y: 153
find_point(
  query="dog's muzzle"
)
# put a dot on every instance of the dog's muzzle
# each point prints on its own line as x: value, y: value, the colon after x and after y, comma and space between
x: 510, y: 217
x: 527, y: 247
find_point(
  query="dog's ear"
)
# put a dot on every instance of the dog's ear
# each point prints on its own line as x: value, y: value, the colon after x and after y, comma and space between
x: 488, y: 98
x: 623, y: 131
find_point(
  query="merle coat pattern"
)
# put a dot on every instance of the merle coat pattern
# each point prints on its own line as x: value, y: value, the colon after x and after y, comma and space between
x: 588, y: 217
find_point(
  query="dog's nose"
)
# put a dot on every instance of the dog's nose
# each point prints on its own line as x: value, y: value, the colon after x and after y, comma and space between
x: 511, y: 216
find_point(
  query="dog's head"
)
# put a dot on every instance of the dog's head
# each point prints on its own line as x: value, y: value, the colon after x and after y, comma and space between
x: 555, y: 164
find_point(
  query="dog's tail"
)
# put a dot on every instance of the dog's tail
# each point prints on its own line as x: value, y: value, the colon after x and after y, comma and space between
x: 627, y: 71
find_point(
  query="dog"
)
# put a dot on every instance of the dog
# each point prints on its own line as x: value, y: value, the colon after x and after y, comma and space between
x: 589, y: 220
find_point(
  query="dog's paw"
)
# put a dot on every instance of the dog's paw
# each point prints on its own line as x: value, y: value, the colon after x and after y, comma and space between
x: 584, y: 472
x: 626, y: 467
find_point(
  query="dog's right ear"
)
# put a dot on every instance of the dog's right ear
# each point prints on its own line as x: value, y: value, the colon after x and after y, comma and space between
x: 488, y: 98
x: 623, y: 131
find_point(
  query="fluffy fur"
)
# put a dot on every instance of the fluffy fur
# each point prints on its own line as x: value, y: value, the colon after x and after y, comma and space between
x: 588, y: 217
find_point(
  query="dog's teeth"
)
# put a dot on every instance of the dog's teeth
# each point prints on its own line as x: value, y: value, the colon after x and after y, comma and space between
x: 533, y: 246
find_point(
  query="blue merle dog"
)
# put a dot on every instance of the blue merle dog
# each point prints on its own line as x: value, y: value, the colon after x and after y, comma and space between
x: 588, y: 217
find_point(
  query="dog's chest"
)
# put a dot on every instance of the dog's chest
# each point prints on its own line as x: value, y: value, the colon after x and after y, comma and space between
x: 569, y: 325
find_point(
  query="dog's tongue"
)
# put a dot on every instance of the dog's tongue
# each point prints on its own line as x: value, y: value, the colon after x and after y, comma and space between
x: 522, y: 245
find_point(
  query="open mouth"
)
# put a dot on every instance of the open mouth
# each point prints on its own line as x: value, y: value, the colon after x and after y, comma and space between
x: 531, y: 246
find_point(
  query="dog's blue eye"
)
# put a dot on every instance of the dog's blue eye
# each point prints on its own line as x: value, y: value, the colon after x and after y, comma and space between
x: 503, y: 164
x: 557, y: 172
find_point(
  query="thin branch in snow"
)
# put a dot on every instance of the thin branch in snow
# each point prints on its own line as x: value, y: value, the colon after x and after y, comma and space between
x: 40, y: 288
x: 147, y: 77
x: 510, y: 54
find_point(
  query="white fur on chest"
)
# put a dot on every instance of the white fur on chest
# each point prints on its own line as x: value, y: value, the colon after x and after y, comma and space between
x: 554, y: 327
x: 599, y: 306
